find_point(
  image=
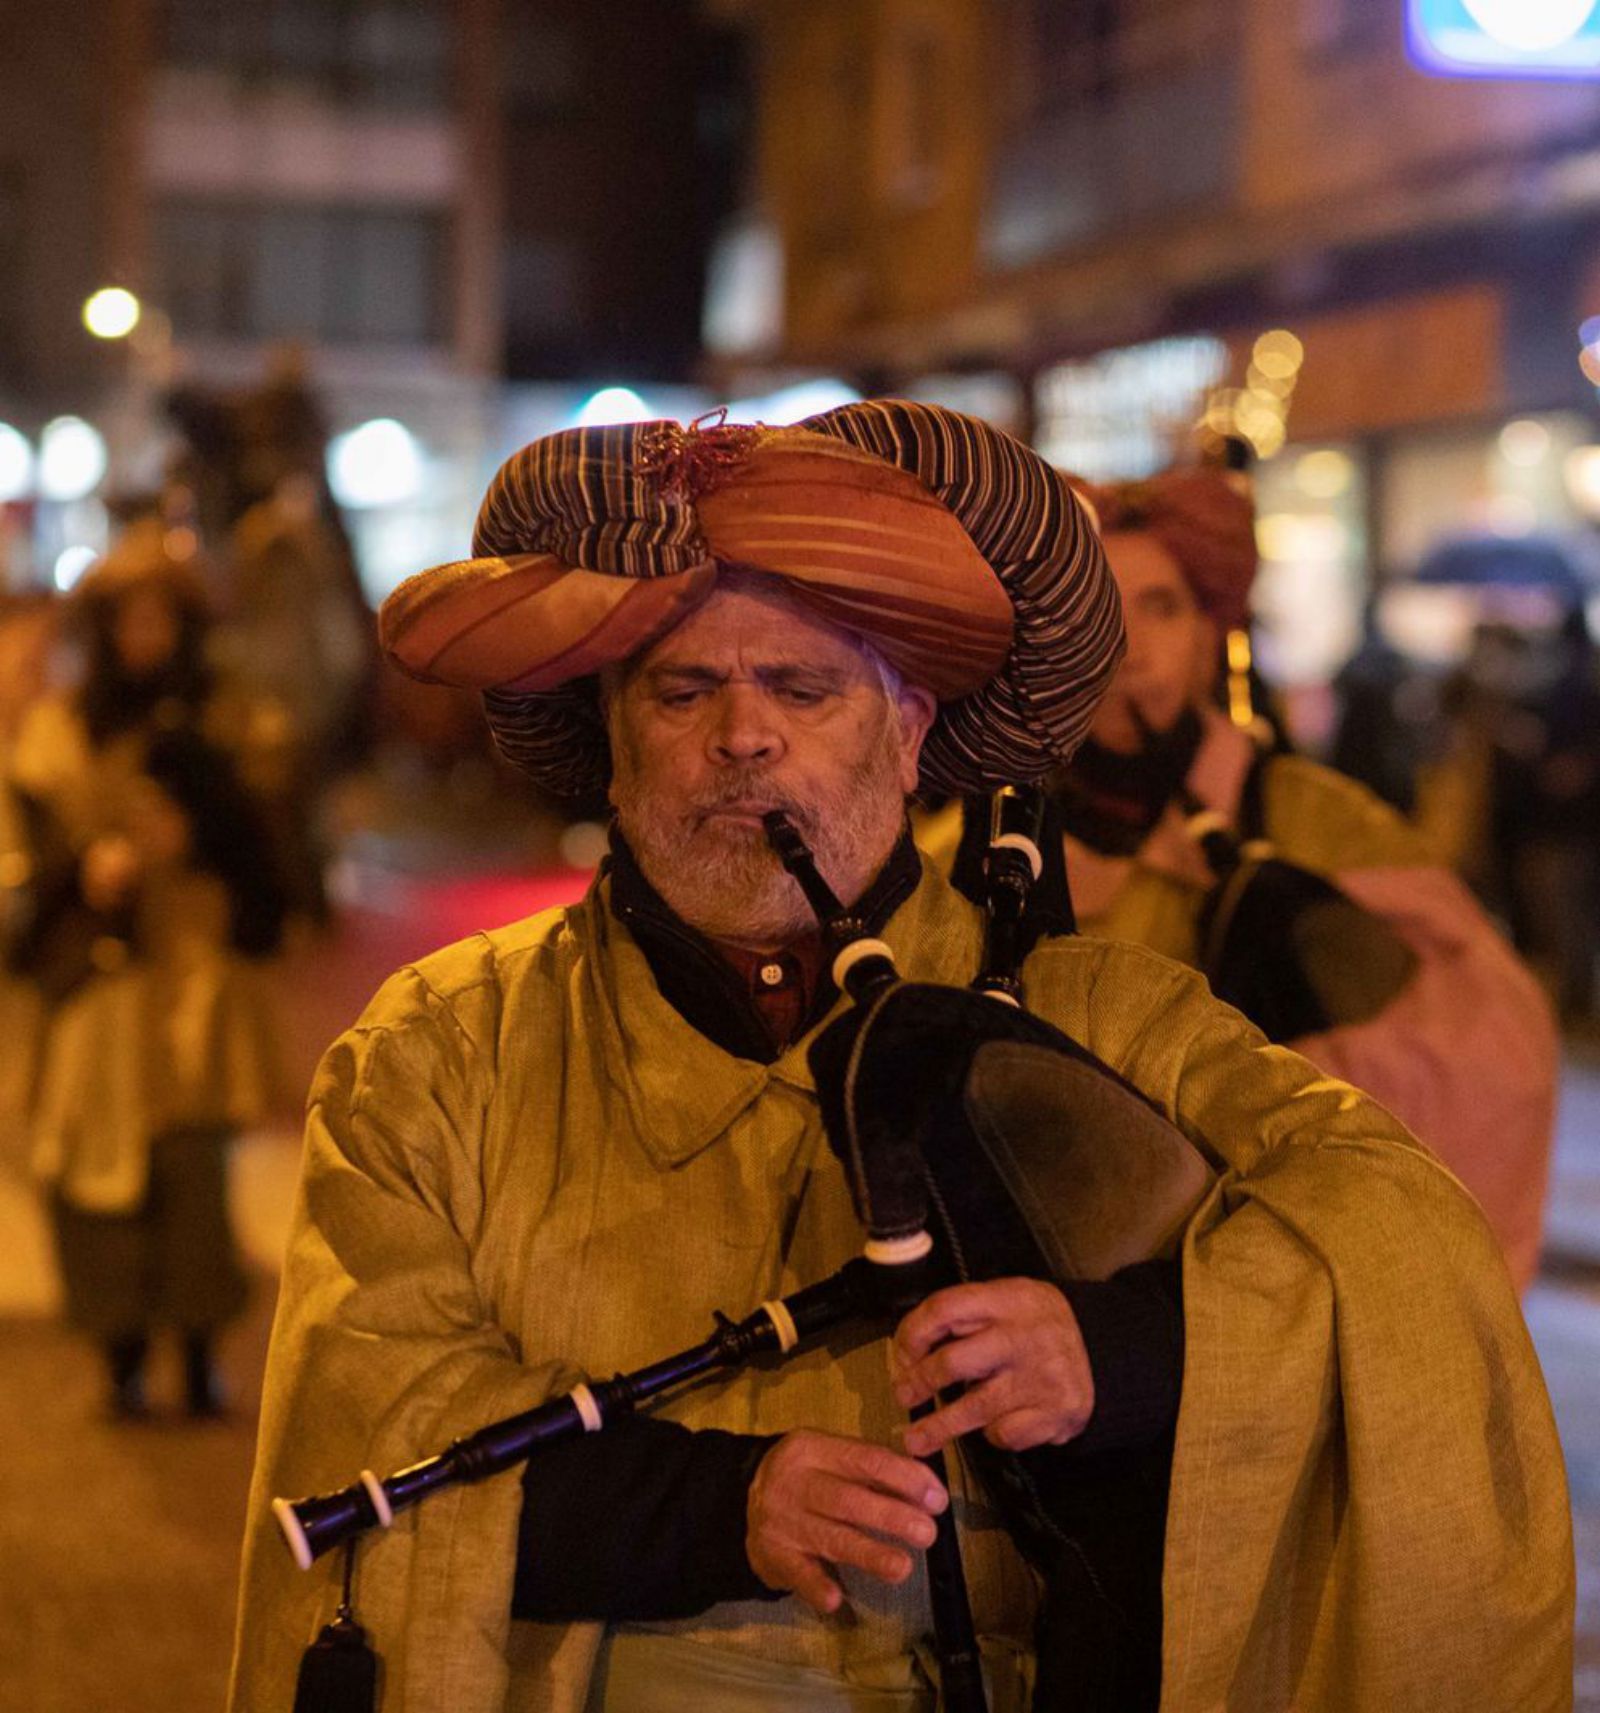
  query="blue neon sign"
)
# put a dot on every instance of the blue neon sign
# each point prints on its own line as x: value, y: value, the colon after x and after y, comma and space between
x: 1506, y: 38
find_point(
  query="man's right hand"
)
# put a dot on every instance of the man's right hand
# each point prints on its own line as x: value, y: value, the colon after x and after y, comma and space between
x: 819, y: 1502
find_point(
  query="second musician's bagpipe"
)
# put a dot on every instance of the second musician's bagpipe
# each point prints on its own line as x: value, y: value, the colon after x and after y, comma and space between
x: 1279, y: 942
x: 979, y: 1143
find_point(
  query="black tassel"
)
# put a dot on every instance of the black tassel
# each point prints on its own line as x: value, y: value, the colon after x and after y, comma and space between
x: 339, y: 1671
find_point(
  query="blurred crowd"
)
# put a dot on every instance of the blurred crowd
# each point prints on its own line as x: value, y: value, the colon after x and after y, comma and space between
x: 1488, y: 737
x: 168, y: 729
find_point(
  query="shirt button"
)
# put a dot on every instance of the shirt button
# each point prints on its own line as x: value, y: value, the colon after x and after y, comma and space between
x: 771, y: 975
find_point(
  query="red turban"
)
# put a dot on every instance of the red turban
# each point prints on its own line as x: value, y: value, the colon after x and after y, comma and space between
x: 1204, y: 521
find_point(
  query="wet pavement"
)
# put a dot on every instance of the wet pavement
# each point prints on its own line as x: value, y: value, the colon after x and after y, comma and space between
x: 118, y: 1545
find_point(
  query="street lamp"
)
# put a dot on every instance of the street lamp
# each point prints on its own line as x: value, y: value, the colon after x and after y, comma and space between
x: 112, y: 312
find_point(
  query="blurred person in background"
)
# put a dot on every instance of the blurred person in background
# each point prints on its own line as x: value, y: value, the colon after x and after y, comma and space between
x: 293, y: 624
x: 27, y: 626
x: 1389, y: 717
x: 1309, y: 903
x: 294, y: 637
x: 154, y: 900
x: 1544, y: 833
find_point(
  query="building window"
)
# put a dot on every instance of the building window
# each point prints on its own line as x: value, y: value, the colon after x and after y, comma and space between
x: 1068, y: 47
x: 544, y: 286
x: 386, y: 53
x: 920, y: 132
x: 334, y: 275
x: 540, y: 69
x: 1118, y: 112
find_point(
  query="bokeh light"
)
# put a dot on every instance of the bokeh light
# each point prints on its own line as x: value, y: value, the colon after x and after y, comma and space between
x: 1524, y: 443
x: 376, y: 464
x: 1512, y: 515
x: 71, y: 563
x: 1278, y: 354
x: 611, y: 406
x: 583, y: 844
x: 72, y: 459
x: 112, y: 313
x: 1531, y: 26
x: 794, y: 403
x: 1581, y: 472
x: 16, y: 465
x: 1324, y: 474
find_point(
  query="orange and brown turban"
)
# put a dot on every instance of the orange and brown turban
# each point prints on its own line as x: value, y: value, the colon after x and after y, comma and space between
x: 959, y: 555
x: 1205, y: 522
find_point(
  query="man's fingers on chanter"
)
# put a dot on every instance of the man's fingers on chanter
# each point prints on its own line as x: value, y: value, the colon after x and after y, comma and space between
x: 971, y: 1411
x: 862, y: 1508
x: 811, y: 1583
x: 894, y: 1473
x: 951, y: 1313
x: 839, y: 1543
x: 959, y: 1362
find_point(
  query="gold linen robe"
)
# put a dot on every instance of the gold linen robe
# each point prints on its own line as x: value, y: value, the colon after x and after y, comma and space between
x: 522, y: 1165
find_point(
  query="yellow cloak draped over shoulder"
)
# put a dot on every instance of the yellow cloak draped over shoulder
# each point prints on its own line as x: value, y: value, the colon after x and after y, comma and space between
x: 522, y: 1163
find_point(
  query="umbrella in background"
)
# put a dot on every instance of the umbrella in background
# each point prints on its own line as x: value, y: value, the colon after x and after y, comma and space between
x: 1545, y: 562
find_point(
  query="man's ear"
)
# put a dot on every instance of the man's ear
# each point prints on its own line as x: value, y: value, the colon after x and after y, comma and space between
x: 917, y: 710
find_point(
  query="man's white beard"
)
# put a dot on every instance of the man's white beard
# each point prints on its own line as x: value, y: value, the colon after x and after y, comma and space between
x: 722, y: 877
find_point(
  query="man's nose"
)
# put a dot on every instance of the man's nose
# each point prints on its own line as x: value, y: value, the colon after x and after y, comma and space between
x: 744, y: 728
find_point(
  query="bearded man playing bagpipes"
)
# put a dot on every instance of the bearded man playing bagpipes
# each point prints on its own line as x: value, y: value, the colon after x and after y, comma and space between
x: 1239, y: 1406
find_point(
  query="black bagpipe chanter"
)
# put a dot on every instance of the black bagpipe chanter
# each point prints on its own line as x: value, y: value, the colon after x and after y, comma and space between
x: 979, y: 1143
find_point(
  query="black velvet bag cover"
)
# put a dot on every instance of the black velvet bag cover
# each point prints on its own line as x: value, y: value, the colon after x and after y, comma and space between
x: 1295, y: 954
x: 1033, y: 1158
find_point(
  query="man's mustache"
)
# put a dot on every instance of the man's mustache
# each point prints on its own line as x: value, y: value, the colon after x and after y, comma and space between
x: 751, y: 792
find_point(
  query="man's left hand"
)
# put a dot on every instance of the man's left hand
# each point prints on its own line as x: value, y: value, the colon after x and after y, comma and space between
x: 1016, y: 1346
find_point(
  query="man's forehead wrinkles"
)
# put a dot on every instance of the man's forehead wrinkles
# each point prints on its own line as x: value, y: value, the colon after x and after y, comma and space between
x: 685, y: 669
x: 764, y: 670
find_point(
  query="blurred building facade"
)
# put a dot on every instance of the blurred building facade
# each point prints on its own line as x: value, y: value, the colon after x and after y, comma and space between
x: 410, y: 202
x: 1088, y: 215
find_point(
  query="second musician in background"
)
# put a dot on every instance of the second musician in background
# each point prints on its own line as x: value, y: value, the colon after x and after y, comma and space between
x: 1405, y: 987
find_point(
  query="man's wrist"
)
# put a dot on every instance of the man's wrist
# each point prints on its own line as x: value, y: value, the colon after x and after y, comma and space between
x: 1132, y: 1330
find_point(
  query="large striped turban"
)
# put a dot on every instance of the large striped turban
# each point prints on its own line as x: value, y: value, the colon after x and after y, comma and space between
x: 954, y: 551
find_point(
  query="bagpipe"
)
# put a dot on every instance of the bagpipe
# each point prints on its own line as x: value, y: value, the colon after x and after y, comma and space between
x: 979, y: 1142
x: 1279, y: 942
x: 1283, y: 944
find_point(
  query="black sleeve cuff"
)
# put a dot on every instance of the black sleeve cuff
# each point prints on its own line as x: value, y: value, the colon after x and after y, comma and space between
x: 644, y: 1521
x: 1132, y: 1326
